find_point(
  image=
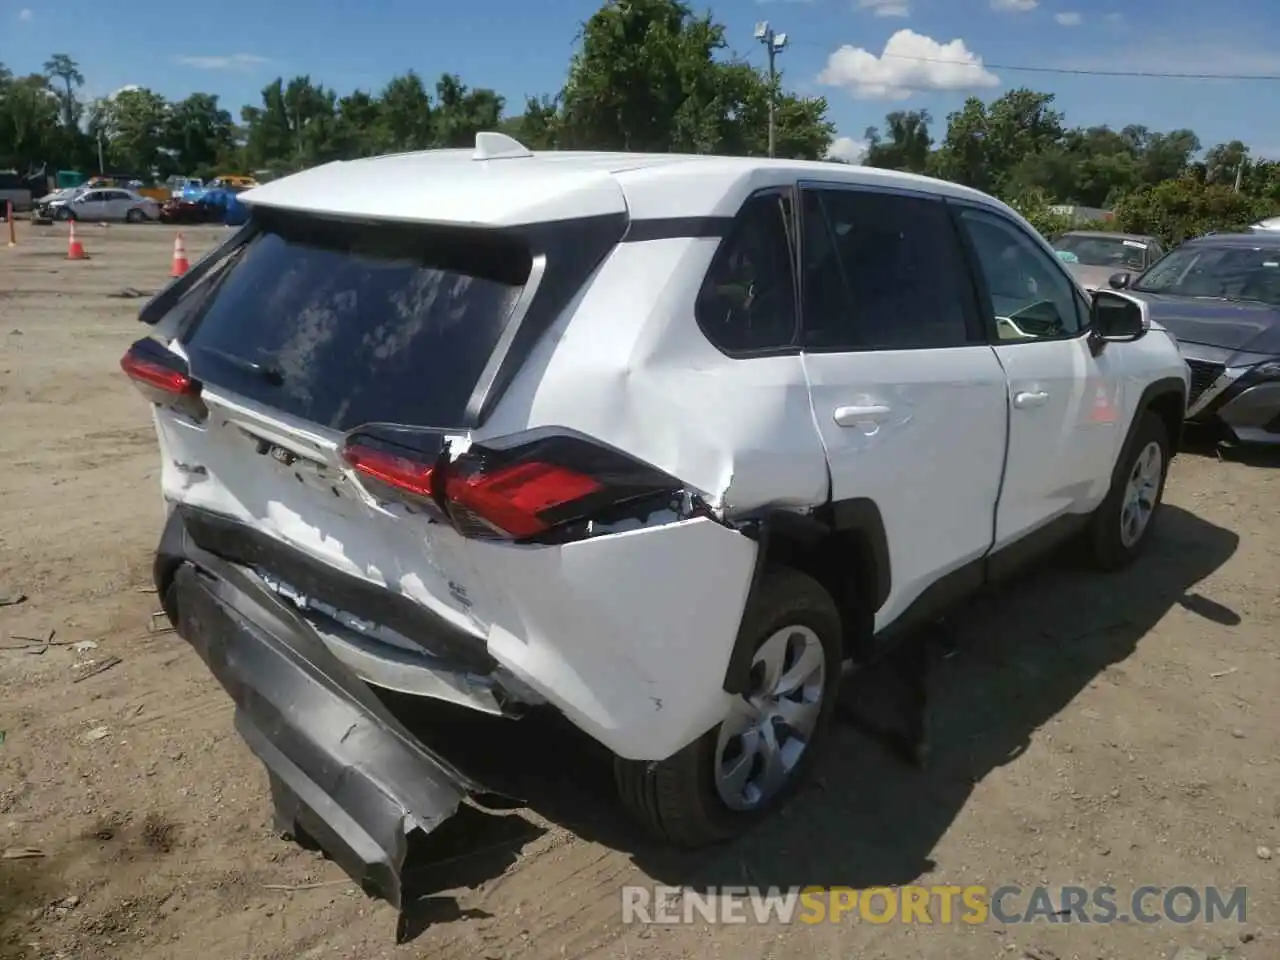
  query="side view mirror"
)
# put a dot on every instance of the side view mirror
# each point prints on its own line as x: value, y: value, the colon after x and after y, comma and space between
x: 1119, y: 281
x: 1117, y: 318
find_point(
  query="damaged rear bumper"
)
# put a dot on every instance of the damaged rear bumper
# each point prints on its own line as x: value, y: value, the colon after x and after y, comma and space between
x: 344, y: 771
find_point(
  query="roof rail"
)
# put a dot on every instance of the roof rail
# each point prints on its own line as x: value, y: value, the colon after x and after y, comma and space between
x: 499, y: 146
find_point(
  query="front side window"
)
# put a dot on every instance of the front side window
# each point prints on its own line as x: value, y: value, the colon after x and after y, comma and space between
x: 747, y: 301
x: 881, y: 271
x: 1030, y: 294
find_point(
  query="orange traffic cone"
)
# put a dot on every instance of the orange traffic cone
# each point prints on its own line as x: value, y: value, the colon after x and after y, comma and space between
x: 75, y: 249
x: 180, y: 262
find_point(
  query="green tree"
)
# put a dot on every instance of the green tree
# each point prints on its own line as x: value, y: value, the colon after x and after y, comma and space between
x: 461, y: 113
x: 538, y: 128
x: 198, y: 132
x: 1177, y: 210
x: 405, y: 118
x: 63, y: 68
x: 906, y: 143
x: 358, y: 124
x: 138, y: 120
x: 988, y: 147
x: 29, y: 121
x: 1224, y: 161
x: 297, y: 126
x: 1163, y: 156
x: 652, y: 76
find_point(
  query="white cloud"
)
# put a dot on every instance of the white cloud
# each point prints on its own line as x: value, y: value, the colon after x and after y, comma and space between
x: 26, y: 15
x: 1014, y: 6
x: 1068, y: 19
x: 234, y: 61
x: 127, y: 88
x: 910, y: 62
x: 847, y: 149
x: 886, y: 8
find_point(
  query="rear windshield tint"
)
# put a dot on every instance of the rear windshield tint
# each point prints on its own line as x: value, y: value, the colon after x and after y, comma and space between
x: 343, y: 324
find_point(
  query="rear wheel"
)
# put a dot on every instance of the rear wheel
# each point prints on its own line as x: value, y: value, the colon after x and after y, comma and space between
x: 1121, y: 526
x: 756, y: 758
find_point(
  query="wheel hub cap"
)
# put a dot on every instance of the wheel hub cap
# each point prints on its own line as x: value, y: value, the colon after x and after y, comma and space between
x: 768, y: 729
x: 1140, y: 494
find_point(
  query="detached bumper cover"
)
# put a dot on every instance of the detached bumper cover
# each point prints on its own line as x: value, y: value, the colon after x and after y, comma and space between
x: 344, y: 772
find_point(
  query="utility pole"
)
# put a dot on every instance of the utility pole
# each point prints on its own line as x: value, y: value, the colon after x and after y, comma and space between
x: 774, y: 44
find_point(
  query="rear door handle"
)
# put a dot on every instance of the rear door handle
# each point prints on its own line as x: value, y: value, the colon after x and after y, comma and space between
x: 1033, y: 398
x: 852, y: 416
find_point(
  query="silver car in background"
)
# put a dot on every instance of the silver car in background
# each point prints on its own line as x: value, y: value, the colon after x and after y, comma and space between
x: 1095, y: 257
x: 106, y: 203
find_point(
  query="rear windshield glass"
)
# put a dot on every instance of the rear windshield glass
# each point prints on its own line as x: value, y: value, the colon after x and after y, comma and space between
x: 344, y: 324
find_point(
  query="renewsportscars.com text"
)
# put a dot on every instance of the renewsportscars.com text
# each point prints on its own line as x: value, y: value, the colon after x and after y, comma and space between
x: 972, y: 905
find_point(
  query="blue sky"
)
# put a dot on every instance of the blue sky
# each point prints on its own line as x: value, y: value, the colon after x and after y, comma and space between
x: 837, y: 49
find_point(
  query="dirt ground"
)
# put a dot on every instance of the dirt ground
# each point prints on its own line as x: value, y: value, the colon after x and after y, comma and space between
x: 1092, y: 730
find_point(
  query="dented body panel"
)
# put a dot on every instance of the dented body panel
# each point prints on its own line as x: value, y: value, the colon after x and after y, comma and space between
x: 628, y: 365
x: 533, y: 615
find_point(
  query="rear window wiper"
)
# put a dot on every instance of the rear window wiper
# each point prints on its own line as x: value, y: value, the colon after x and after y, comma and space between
x: 268, y: 372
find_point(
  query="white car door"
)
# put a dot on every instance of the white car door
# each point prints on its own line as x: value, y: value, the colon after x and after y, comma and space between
x: 908, y: 396
x: 1065, y: 419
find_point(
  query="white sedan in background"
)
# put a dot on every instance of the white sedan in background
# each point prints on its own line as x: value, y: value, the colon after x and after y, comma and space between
x: 107, y: 203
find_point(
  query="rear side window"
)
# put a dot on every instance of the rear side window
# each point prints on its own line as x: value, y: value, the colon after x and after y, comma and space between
x: 882, y: 271
x: 344, y: 324
x: 747, y: 303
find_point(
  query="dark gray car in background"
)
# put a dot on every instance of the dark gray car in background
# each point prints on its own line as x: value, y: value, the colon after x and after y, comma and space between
x: 1220, y: 296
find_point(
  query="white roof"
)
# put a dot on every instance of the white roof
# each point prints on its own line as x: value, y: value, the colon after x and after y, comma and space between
x: 500, y: 184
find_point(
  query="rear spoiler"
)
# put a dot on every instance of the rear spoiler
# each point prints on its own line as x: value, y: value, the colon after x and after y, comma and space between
x: 169, y: 295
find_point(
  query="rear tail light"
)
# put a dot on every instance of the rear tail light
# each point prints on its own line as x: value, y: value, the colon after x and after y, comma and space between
x: 164, y: 378
x: 520, y: 500
x: 538, y: 489
x: 404, y: 474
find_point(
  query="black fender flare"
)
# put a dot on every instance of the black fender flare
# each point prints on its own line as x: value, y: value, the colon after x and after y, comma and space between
x: 1164, y: 387
x: 858, y: 515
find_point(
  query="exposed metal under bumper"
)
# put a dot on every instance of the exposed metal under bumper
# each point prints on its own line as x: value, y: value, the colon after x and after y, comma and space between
x: 344, y: 772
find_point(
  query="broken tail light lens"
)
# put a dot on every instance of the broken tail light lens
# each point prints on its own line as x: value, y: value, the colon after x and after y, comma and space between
x: 519, y: 500
x: 164, y: 378
x: 399, y: 473
x: 521, y: 491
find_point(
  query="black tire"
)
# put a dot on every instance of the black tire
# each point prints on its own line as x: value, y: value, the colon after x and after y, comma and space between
x: 68, y: 214
x: 676, y: 799
x: 1107, y: 549
x: 134, y: 216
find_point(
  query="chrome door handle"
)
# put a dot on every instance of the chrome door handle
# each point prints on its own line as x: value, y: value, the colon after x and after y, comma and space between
x: 1034, y: 398
x: 852, y: 416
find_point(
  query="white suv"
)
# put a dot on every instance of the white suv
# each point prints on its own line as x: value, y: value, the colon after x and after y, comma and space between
x: 664, y: 442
